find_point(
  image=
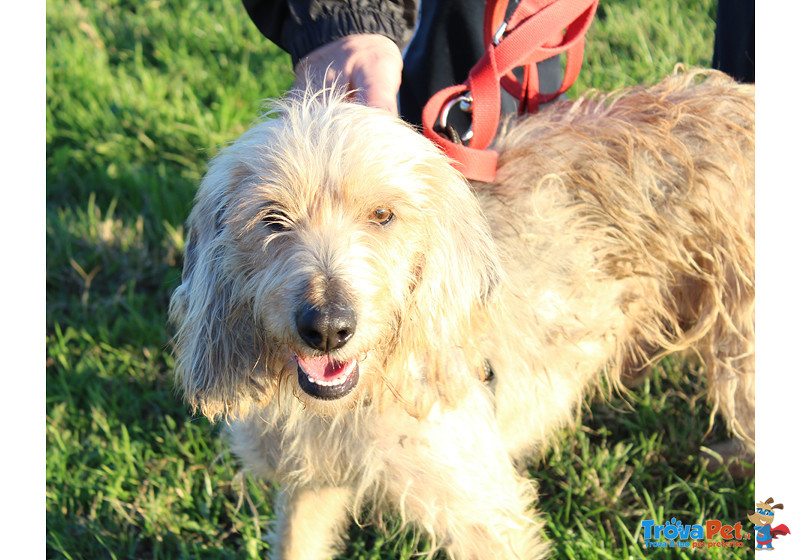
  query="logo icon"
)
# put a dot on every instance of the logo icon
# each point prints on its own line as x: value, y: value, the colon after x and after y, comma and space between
x: 762, y: 519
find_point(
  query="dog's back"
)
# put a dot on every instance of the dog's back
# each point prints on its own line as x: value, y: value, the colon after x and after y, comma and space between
x: 627, y: 223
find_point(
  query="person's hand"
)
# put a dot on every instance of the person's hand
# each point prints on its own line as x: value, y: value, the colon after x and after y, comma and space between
x: 370, y: 64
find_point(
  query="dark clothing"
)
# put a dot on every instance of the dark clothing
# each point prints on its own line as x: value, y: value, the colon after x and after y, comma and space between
x: 449, y: 40
x: 734, y: 43
x: 448, y: 43
x: 300, y: 26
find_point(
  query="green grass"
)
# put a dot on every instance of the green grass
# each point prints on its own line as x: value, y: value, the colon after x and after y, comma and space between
x: 139, y: 96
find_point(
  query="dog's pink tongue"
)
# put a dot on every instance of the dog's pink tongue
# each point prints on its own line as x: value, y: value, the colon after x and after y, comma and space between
x: 322, y: 368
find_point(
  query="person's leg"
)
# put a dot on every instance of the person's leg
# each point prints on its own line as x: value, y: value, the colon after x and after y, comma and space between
x: 734, y: 42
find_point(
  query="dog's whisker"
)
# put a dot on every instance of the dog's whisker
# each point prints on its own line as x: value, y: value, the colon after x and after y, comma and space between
x: 397, y: 395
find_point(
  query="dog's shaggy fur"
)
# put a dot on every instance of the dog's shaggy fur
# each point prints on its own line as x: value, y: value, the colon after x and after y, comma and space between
x: 346, y: 292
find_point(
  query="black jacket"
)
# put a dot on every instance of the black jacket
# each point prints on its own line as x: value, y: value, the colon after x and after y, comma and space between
x: 300, y: 26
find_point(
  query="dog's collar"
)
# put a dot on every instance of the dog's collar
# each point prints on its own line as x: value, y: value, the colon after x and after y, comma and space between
x: 487, y: 373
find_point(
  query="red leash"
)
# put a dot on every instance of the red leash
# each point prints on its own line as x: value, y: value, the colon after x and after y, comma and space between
x: 537, y: 30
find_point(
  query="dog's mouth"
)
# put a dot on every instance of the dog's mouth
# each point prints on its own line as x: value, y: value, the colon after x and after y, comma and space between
x: 327, y: 379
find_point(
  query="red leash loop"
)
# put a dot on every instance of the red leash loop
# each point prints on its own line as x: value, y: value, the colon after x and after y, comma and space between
x: 536, y: 31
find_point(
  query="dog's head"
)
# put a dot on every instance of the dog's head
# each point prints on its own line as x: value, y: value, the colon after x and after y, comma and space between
x: 334, y: 252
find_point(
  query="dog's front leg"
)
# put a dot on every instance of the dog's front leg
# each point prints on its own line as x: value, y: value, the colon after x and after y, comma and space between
x: 310, y: 524
x: 494, y: 520
x: 450, y: 476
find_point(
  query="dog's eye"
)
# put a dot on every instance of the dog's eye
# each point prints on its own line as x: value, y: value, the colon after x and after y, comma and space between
x: 381, y: 216
x: 277, y: 221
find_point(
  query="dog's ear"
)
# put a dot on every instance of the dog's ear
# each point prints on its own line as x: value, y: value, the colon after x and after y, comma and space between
x: 216, y: 349
x: 458, y: 275
x: 461, y: 266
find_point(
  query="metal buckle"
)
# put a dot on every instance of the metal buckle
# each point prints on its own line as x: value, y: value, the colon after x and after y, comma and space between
x: 465, y: 104
x: 498, y: 35
x: 501, y: 31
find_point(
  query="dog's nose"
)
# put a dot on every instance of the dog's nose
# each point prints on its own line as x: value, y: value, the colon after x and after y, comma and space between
x: 327, y: 327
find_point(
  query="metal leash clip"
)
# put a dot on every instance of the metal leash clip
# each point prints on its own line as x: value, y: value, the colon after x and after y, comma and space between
x: 501, y: 31
x: 498, y: 35
x: 465, y: 104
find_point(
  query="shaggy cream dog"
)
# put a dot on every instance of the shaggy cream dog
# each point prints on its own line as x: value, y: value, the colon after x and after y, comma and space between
x: 380, y: 334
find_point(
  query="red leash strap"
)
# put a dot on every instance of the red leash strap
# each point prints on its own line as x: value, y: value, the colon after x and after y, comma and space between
x: 537, y: 30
